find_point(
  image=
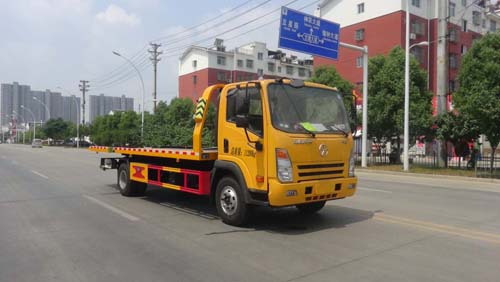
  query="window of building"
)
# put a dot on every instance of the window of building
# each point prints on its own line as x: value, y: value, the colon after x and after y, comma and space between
x: 221, y: 76
x: 302, y: 72
x: 249, y: 63
x: 453, y: 61
x: 359, y: 62
x: 221, y: 60
x: 271, y: 67
x: 451, y: 9
x: 417, y: 28
x: 260, y: 73
x: 260, y: 56
x: 415, y: 3
x: 452, y: 86
x: 418, y: 53
x: 463, y: 50
x: 195, y: 63
x: 361, y: 8
x: 484, y: 23
x: 464, y: 3
x: 239, y: 63
x: 493, y: 26
x: 289, y: 70
x: 279, y: 69
x: 453, y: 35
x: 195, y: 79
x: 464, y: 25
x: 360, y: 34
x: 476, y: 18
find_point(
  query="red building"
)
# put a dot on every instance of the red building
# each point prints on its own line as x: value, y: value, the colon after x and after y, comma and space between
x: 381, y: 25
x: 200, y: 67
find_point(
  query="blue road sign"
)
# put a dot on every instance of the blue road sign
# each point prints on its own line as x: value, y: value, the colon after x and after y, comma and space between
x: 308, y: 34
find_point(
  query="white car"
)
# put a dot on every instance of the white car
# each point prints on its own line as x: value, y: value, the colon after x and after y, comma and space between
x: 37, y: 143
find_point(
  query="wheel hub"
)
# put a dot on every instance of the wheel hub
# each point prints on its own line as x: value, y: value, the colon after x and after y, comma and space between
x: 122, y: 180
x: 229, y: 200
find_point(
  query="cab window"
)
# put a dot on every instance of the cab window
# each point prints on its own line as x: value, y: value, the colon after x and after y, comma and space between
x: 238, y: 105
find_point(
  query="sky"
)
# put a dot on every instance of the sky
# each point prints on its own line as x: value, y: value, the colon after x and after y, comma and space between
x: 56, y: 43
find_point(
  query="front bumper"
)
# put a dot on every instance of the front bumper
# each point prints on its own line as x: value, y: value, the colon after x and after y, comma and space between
x: 288, y: 194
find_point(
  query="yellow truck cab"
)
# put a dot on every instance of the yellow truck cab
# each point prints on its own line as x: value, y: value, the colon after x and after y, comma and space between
x: 279, y: 143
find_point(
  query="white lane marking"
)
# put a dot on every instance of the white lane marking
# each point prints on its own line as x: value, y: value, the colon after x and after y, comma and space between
x: 39, y: 174
x: 375, y: 190
x: 111, y: 208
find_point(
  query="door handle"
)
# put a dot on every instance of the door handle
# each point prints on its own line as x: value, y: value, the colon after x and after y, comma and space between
x: 226, y: 145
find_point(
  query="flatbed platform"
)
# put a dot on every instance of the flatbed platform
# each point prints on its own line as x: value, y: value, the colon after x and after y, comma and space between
x: 172, y: 153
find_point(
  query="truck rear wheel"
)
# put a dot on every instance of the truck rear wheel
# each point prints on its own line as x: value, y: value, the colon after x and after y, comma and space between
x: 128, y: 187
x: 230, y: 203
x: 311, y: 207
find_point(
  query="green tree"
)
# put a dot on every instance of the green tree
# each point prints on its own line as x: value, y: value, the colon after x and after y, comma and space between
x: 329, y: 76
x: 479, y: 92
x: 458, y: 129
x: 386, y: 98
x: 57, y: 129
x: 118, y: 129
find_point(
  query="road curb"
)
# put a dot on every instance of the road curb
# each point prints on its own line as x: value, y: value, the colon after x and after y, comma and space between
x: 425, y: 175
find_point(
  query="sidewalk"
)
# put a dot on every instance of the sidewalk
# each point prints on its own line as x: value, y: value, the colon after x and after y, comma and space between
x: 425, y: 175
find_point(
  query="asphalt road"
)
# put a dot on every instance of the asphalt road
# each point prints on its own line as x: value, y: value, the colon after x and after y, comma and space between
x: 62, y: 219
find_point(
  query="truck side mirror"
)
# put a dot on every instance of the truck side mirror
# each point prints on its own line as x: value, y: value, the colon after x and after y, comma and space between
x: 354, y: 116
x: 241, y: 121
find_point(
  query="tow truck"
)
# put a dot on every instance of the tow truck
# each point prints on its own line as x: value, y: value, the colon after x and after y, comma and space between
x: 280, y: 143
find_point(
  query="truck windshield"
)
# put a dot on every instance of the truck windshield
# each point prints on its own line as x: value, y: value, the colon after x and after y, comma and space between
x: 307, y: 110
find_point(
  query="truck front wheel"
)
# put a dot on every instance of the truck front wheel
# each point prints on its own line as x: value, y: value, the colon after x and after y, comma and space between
x: 128, y: 187
x: 311, y: 207
x: 231, y: 206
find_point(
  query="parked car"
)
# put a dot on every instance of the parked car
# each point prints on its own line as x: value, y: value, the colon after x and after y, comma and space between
x: 83, y: 143
x: 37, y: 143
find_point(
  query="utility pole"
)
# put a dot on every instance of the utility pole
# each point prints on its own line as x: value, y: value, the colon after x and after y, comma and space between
x: 442, y: 66
x: 155, y: 59
x: 84, y: 87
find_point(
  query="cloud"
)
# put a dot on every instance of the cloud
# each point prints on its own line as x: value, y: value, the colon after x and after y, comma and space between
x: 117, y: 15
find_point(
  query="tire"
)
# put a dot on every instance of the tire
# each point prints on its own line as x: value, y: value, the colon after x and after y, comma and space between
x: 311, y: 207
x: 230, y: 203
x: 128, y: 187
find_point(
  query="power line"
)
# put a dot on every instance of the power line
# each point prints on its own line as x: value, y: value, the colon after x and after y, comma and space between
x: 142, y: 65
x: 137, y: 56
x: 207, y: 21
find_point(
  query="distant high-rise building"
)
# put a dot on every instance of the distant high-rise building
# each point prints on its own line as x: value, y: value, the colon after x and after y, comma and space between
x: 102, y: 105
x: 49, y: 104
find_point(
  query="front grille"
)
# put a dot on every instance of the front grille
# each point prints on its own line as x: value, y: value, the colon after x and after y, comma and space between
x: 320, y: 171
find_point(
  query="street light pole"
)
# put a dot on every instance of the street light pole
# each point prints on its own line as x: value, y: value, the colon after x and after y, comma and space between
x: 406, y: 141
x: 34, y: 120
x: 24, y: 122
x: 143, y: 90
x: 47, y: 108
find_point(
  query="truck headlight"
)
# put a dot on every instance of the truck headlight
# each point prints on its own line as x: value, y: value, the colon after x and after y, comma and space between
x: 352, y: 163
x: 284, y: 166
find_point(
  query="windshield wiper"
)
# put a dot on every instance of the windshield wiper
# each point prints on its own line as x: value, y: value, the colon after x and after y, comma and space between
x: 338, y: 129
x: 307, y: 130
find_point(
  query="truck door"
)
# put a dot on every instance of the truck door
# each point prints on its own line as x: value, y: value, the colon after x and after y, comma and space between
x: 233, y: 143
